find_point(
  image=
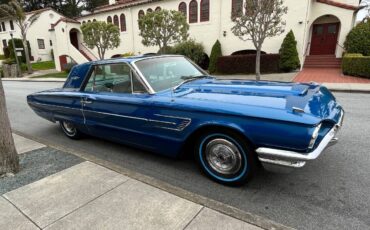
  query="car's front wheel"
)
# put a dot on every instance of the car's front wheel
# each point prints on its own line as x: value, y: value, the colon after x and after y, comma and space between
x: 225, y: 157
x: 70, y: 130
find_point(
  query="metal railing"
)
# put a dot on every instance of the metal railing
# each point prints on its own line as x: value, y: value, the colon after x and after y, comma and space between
x: 87, y: 50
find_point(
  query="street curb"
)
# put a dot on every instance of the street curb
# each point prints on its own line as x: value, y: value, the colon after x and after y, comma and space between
x: 24, y: 80
x: 199, y: 199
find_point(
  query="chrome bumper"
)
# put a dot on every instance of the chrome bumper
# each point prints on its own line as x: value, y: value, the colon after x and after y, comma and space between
x: 277, y: 160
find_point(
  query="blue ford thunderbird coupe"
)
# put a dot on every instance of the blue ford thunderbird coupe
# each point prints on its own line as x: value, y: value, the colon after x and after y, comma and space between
x: 168, y: 105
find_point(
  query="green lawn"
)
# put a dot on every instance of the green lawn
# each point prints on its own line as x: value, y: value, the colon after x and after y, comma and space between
x: 50, y: 75
x: 43, y: 65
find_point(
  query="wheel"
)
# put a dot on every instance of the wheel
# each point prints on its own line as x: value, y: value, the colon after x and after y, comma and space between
x: 226, y: 158
x: 70, y: 130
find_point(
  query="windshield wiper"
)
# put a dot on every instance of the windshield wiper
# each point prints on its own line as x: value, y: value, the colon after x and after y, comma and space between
x: 188, y: 79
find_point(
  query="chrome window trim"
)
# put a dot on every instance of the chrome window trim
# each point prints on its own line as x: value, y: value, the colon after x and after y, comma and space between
x: 151, y: 90
x: 132, y: 71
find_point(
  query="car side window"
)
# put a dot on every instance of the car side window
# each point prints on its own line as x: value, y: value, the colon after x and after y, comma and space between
x: 113, y: 78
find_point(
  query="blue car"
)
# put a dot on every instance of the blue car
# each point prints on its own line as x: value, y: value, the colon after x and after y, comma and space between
x: 168, y: 105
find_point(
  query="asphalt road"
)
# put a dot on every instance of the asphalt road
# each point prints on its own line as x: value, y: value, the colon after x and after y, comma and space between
x: 332, y: 192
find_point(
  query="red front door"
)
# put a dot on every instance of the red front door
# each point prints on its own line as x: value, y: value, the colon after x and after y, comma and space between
x: 324, y: 38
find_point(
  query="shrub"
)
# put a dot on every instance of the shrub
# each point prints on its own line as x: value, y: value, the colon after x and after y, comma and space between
x: 289, y: 59
x: 52, y: 54
x: 128, y: 54
x: 356, y: 65
x: 190, y: 49
x: 215, y: 54
x: 6, y: 52
x: 18, y: 44
x: 247, y: 64
x: 2, y: 57
x: 357, y: 41
x: 169, y: 50
x: 23, y: 67
x: 9, y: 61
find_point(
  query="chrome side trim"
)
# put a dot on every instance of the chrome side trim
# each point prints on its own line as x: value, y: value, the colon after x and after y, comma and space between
x: 116, y: 115
x: 181, y: 126
x: 58, y: 106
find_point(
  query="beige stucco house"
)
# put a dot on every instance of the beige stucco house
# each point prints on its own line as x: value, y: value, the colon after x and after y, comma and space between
x: 38, y: 34
x: 320, y: 27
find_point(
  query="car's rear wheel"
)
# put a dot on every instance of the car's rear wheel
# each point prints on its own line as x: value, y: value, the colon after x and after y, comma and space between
x: 225, y: 157
x: 70, y: 130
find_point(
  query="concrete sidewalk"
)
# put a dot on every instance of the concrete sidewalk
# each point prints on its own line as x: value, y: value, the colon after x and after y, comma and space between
x: 89, y: 196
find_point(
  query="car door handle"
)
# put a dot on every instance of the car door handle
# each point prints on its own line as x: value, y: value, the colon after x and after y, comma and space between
x: 86, y: 100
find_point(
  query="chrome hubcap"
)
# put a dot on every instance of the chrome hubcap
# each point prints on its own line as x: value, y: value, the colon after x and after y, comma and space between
x: 69, y: 127
x: 223, y: 156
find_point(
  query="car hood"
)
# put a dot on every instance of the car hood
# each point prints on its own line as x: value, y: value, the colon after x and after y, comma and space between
x: 293, y: 98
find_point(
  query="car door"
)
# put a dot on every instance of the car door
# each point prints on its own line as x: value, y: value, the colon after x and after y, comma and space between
x: 115, y: 104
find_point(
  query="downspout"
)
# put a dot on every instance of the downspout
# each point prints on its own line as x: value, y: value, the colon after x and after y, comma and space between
x: 305, y: 39
x: 132, y: 32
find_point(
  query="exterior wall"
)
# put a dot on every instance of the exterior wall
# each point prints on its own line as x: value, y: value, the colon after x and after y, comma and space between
x: 61, y: 38
x: 345, y: 17
x: 38, y: 30
x: 299, y: 19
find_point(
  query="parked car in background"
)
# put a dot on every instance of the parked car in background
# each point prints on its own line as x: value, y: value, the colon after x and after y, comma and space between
x: 168, y: 105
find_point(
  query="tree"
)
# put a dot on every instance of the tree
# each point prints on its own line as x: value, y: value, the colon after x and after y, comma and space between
x: 357, y: 40
x: 101, y: 35
x: 14, y: 10
x: 190, y: 49
x: 90, y: 5
x: 9, y: 161
x: 215, y: 54
x: 262, y: 19
x: 289, y: 59
x: 163, y: 28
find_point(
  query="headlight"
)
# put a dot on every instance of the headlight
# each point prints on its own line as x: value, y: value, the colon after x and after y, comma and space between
x: 315, y: 134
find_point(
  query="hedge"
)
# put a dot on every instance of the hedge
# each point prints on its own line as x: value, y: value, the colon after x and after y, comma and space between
x: 356, y: 65
x: 247, y: 64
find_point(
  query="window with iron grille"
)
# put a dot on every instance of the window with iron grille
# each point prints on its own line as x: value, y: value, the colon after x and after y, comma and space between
x: 122, y: 18
x: 204, y: 10
x: 41, y: 44
x: 115, y: 20
x: 237, y: 8
x: 109, y: 19
x: 193, y: 11
x: 182, y: 8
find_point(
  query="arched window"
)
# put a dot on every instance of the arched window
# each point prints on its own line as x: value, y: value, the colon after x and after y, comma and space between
x: 94, y: 20
x: 149, y: 10
x: 88, y: 20
x: 204, y: 10
x: 236, y: 8
x: 141, y: 13
x: 193, y: 11
x: 182, y: 8
x: 83, y: 22
x: 109, y: 19
x: 115, y: 20
x: 158, y: 8
x: 122, y: 18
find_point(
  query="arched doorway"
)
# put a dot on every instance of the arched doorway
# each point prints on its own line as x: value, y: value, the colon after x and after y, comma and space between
x: 74, y: 38
x: 324, y: 35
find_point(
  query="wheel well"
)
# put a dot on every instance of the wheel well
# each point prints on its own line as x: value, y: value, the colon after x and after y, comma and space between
x: 190, y: 141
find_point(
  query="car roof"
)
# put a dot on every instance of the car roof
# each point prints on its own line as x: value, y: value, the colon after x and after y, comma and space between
x: 130, y: 59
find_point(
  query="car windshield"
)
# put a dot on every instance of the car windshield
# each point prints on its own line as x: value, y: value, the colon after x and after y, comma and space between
x: 167, y: 72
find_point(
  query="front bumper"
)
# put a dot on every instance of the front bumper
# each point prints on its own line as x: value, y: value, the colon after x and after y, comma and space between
x: 278, y: 160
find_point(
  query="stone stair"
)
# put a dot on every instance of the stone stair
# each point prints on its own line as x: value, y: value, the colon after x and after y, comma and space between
x: 322, y: 61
